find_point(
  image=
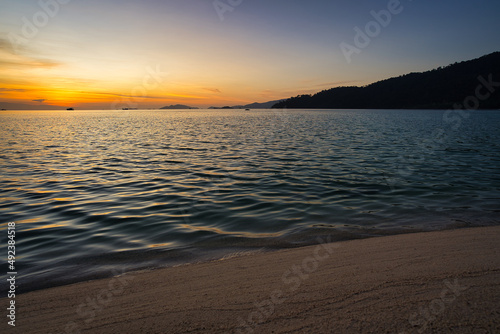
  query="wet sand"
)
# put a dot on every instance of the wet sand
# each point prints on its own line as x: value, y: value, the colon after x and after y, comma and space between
x: 446, y: 282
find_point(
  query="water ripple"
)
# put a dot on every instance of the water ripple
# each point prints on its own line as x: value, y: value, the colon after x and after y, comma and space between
x: 95, y: 190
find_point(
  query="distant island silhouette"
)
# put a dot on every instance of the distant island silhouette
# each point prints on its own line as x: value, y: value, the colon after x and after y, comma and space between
x: 255, y: 105
x: 473, y: 84
x: 178, y: 106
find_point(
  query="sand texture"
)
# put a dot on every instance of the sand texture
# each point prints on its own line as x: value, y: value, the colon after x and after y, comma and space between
x: 436, y: 282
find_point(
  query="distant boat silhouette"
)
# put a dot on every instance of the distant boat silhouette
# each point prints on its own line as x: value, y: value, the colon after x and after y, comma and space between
x: 70, y: 109
x: 247, y: 109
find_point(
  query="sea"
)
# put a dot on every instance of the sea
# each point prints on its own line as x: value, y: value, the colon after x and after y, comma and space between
x: 96, y: 193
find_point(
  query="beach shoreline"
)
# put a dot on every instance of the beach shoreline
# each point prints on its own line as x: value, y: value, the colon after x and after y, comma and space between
x: 443, y: 281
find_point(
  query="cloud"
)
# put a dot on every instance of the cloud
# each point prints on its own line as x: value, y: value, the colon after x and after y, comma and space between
x: 2, y: 89
x: 4, y: 43
x: 40, y: 100
x: 7, y: 47
x: 123, y: 95
x: 213, y: 90
x: 166, y: 96
x: 25, y: 57
x: 29, y: 62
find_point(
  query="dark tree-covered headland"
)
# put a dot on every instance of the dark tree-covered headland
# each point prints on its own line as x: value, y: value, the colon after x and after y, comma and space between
x: 473, y: 84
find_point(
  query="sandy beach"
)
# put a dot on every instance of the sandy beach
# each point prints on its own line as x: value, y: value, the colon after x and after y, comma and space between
x: 436, y: 282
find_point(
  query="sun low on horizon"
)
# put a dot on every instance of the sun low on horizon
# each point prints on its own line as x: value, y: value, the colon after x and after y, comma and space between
x: 128, y: 54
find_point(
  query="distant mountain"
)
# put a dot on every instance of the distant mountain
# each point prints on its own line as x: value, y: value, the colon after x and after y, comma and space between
x: 178, y: 106
x: 227, y: 107
x: 255, y: 105
x: 264, y: 105
x: 441, y: 88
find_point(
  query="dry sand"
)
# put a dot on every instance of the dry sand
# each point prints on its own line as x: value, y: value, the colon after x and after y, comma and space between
x: 437, y: 282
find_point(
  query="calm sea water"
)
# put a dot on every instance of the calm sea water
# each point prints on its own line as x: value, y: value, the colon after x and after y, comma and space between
x: 97, y: 192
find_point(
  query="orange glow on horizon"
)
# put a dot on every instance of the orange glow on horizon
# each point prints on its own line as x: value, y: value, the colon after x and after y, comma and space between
x: 61, y: 81
x: 57, y: 95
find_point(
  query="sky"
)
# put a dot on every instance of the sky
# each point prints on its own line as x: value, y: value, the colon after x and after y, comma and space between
x: 112, y: 54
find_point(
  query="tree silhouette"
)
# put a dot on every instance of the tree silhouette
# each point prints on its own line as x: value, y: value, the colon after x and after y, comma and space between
x: 441, y: 88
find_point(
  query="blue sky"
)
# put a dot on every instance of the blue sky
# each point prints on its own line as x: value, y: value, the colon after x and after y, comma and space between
x: 93, y: 53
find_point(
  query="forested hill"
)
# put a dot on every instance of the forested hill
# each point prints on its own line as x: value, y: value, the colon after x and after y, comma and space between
x: 441, y: 88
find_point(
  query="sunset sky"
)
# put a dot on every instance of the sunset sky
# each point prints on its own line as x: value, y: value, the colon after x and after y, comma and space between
x: 109, y: 54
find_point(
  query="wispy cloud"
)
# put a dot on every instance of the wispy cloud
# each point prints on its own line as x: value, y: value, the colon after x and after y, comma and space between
x: 3, y: 89
x: 20, y: 62
x: 25, y: 57
x: 4, y: 43
x: 166, y: 96
x: 40, y: 100
x: 213, y: 90
x: 7, y: 47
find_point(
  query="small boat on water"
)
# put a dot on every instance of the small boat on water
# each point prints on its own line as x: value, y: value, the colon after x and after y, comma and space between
x: 70, y: 109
